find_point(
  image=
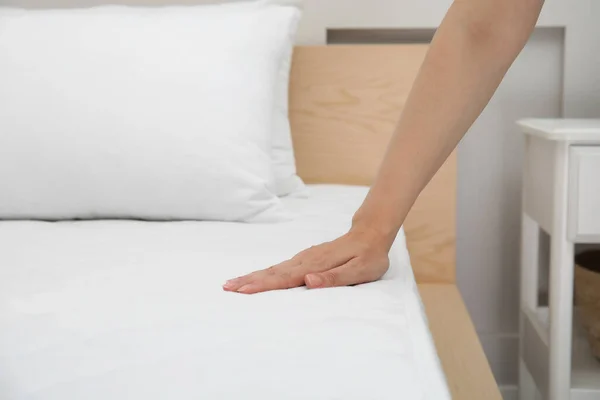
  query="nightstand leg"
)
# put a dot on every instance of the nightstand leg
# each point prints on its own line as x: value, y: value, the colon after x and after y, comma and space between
x: 561, y: 284
x: 561, y: 318
x: 530, y: 249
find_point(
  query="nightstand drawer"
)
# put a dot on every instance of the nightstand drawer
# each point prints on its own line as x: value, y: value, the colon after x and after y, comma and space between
x: 584, y: 193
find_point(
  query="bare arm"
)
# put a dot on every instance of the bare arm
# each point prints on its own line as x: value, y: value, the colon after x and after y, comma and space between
x: 473, y: 48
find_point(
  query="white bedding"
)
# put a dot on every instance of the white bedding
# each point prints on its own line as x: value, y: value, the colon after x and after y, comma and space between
x: 134, y: 310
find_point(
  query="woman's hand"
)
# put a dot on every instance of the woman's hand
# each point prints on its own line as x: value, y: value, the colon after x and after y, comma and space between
x: 359, y: 256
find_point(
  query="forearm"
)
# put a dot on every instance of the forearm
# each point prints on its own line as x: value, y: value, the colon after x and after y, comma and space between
x: 471, y: 51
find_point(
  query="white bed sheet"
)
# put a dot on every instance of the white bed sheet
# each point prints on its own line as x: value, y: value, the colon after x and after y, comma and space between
x: 134, y: 310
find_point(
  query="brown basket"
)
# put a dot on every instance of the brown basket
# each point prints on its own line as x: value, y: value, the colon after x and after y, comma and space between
x: 587, y: 295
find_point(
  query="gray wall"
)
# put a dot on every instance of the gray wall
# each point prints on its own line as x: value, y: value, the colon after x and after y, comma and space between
x: 558, y: 73
x: 489, y: 190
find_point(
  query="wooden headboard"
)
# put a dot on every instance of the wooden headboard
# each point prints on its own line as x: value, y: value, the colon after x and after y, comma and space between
x: 344, y: 104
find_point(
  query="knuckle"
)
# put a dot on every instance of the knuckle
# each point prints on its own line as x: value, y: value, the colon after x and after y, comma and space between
x: 301, y: 255
x: 316, y: 260
x: 310, y: 250
x: 271, y: 270
x: 320, y: 259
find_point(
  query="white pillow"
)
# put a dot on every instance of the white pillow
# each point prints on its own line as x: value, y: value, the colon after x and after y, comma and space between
x: 151, y: 113
x: 286, y: 180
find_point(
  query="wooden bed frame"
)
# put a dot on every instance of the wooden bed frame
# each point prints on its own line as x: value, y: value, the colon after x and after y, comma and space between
x: 344, y: 104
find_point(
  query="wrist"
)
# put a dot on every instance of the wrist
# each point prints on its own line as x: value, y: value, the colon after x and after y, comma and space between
x: 376, y: 228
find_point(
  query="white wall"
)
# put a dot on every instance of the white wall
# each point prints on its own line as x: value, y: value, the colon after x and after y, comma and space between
x: 558, y: 72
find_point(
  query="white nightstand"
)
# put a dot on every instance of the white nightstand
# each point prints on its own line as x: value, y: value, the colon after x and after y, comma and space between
x: 561, y: 196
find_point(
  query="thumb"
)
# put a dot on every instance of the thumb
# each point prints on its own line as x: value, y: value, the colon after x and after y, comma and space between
x: 347, y: 274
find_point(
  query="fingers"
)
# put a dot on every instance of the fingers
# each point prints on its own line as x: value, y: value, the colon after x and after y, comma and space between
x: 281, y: 276
x: 352, y: 273
x: 266, y: 282
x: 289, y: 273
x: 234, y: 284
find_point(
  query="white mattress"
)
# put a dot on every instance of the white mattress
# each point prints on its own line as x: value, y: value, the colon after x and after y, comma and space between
x: 134, y: 310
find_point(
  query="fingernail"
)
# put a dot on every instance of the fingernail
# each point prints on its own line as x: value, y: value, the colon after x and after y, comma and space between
x: 314, y: 280
x: 228, y: 285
